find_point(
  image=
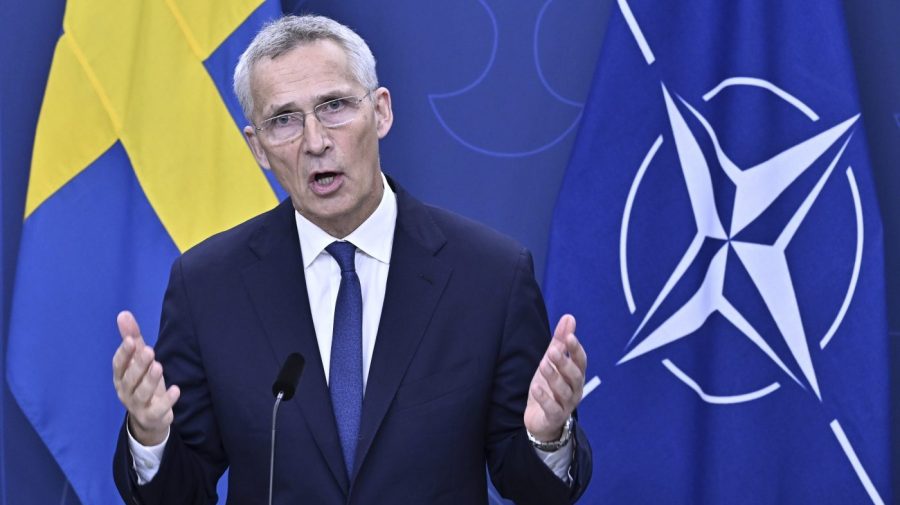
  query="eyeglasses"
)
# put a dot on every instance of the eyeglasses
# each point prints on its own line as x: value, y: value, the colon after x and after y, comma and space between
x: 331, y: 114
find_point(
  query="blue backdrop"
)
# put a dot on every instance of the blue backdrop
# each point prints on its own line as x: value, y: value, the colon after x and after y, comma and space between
x: 487, y: 98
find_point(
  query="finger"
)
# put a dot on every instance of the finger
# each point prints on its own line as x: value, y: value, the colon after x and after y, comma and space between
x: 569, y: 360
x: 128, y: 327
x: 565, y: 326
x: 553, y: 411
x: 568, y: 369
x: 539, y: 381
x: 172, y: 395
x: 121, y: 358
x: 572, y: 375
x: 150, y: 385
x: 137, y: 368
x: 161, y: 406
x: 558, y: 354
x: 161, y: 385
x: 576, y: 352
x: 562, y: 392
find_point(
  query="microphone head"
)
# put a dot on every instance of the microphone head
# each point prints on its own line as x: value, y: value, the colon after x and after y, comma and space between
x: 289, y: 376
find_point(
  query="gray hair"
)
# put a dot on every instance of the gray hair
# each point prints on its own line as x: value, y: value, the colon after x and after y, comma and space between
x: 288, y: 32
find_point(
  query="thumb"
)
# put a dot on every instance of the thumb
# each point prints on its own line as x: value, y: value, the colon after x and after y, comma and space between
x: 128, y: 327
x: 565, y: 326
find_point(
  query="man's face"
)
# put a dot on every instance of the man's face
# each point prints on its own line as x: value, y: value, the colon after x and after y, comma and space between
x: 332, y: 174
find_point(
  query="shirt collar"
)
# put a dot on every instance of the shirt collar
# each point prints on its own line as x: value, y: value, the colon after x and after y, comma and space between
x: 374, y: 237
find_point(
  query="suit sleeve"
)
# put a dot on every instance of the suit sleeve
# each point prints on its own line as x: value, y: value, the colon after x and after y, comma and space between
x: 193, y: 459
x: 515, y: 468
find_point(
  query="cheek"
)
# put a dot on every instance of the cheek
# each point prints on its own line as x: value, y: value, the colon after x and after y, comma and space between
x: 288, y: 172
x: 365, y: 150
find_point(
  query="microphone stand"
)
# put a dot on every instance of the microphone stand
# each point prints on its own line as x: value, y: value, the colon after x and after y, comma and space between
x: 272, y: 452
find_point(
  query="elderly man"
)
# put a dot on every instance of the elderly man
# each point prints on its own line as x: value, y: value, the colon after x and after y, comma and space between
x: 426, y: 339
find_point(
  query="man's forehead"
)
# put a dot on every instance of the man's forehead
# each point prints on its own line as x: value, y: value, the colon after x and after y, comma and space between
x: 304, y: 76
x: 304, y: 96
x: 311, y: 57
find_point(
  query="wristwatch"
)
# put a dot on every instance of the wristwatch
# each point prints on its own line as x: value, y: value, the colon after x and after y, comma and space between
x: 554, y: 445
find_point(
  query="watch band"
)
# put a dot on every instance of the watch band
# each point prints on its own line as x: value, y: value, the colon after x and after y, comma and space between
x: 556, y: 444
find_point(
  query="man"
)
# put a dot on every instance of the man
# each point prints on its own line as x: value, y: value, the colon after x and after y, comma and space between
x: 425, y: 335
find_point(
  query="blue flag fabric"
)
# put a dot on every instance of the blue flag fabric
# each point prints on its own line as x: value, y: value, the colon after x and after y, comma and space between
x: 717, y: 238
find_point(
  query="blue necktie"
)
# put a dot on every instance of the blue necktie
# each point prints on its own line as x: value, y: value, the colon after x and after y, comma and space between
x: 345, y: 377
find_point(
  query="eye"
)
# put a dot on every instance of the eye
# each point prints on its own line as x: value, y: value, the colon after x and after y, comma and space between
x: 335, y: 105
x: 284, y: 120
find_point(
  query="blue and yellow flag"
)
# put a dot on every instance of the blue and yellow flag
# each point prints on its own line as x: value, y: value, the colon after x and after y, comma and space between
x: 138, y: 156
x: 718, y: 239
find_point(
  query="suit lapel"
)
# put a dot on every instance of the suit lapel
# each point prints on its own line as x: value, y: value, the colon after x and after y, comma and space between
x: 277, y: 287
x: 416, y: 281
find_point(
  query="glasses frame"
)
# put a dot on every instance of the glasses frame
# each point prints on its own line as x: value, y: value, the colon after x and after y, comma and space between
x: 265, y: 124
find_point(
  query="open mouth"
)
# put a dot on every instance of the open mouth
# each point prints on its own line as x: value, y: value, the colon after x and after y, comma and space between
x: 325, y: 178
x: 326, y: 182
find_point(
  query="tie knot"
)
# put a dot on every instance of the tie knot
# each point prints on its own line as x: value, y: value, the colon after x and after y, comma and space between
x: 345, y: 255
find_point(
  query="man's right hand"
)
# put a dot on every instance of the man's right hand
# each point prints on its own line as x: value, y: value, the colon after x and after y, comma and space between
x: 139, y: 382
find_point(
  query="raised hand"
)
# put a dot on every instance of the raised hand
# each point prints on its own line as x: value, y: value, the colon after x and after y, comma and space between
x: 557, y: 385
x: 139, y: 382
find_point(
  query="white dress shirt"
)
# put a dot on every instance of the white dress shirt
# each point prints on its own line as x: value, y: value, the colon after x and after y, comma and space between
x: 374, y: 241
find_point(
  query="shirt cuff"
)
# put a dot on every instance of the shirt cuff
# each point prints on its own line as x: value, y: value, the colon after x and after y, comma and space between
x: 145, y: 459
x: 559, y: 461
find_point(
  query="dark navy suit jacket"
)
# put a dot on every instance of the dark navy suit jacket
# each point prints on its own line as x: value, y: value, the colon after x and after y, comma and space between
x: 462, y: 330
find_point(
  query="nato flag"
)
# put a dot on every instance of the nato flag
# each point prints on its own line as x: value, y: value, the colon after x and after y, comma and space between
x: 717, y: 238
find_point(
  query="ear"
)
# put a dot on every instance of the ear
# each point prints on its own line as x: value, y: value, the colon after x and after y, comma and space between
x: 384, y: 115
x: 255, y: 147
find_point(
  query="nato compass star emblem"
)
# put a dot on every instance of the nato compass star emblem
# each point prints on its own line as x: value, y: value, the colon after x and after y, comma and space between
x: 756, y: 188
x: 678, y: 310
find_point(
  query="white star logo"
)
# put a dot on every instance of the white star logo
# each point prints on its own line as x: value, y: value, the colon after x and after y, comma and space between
x: 756, y: 188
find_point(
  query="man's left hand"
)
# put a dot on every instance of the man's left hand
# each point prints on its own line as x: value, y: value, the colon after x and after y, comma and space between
x: 557, y: 385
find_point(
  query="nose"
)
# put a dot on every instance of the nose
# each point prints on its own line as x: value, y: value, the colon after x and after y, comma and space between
x: 315, y: 136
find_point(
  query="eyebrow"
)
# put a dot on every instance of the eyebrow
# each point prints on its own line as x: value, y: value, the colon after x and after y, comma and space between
x: 318, y: 99
x: 280, y: 109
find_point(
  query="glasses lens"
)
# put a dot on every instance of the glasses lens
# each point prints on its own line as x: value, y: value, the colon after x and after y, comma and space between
x: 331, y: 114
x: 284, y: 127
x: 338, y: 111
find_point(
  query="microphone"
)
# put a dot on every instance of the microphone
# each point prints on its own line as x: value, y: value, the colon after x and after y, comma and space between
x: 288, y: 377
x: 283, y: 389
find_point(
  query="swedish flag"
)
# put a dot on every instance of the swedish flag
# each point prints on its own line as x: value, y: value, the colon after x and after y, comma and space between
x: 138, y: 156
